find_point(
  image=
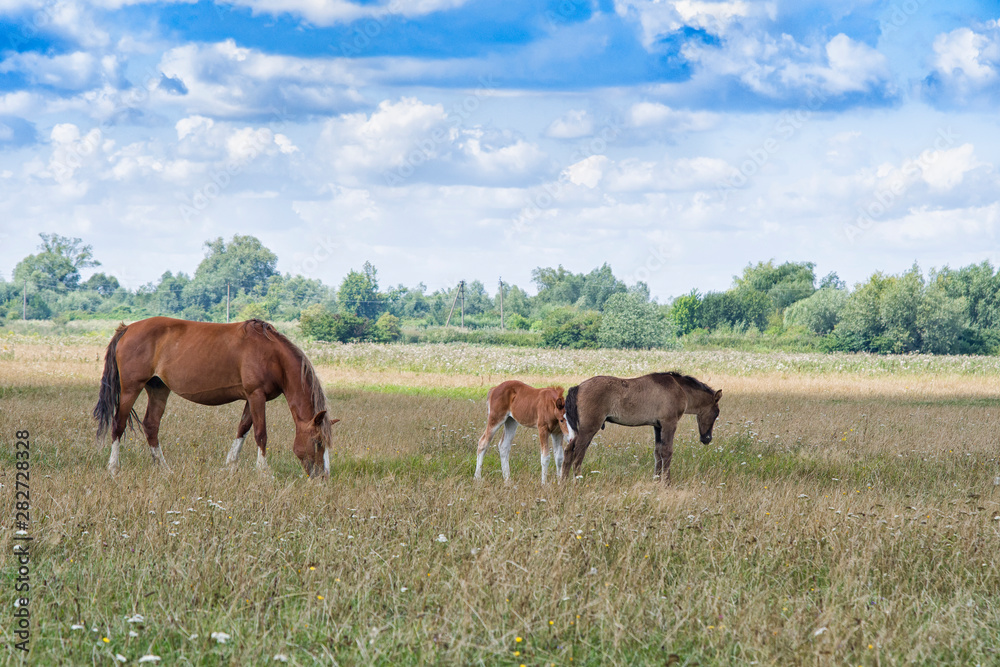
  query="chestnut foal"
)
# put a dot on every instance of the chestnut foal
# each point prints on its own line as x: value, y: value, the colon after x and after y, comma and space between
x: 514, y: 403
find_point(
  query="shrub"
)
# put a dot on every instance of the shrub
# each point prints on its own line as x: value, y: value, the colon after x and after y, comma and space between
x: 630, y: 321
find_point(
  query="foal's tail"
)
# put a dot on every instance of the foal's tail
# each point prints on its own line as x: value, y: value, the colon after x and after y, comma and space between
x: 111, y: 388
x: 572, y: 416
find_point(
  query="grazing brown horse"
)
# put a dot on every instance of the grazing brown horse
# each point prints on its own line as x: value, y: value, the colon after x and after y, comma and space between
x: 511, y: 403
x: 658, y: 400
x: 212, y: 364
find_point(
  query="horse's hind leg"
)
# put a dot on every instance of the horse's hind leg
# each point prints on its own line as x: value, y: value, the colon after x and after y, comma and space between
x: 509, y: 428
x: 241, y: 434
x: 156, y: 393
x: 130, y: 392
x: 492, y: 426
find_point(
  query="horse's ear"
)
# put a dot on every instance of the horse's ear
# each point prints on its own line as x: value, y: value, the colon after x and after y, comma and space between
x: 718, y: 395
x: 333, y: 421
x: 318, y: 419
x: 560, y: 403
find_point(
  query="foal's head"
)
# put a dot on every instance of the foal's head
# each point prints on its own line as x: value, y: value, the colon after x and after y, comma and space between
x: 312, y: 444
x: 707, y: 413
x: 560, y: 406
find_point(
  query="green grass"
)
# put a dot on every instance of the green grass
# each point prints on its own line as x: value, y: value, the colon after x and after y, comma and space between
x: 815, y: 529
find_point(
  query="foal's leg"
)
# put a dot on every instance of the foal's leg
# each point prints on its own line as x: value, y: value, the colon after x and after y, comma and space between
x: 256, y: 402
x: 557, y: 452
x: 130, y: 392
x: 657, y: 451
x: 493, y: 423
x: 543, y: 439
x: 155, y: 405
x: 241, y: 434
x: 664, y: 450
x: 509, y: 428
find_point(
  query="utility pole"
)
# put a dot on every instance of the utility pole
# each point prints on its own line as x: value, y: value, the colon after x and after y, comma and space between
x: 448, y: 321
x: 227, y: 302
x: 501, y: 303
x: 461, y: 288
x: 24, y: 303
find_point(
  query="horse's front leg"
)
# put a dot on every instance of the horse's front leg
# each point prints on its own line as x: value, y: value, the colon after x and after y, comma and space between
x: 241, y: 433
x: 557, y: 453
x: 543, y: 439
x: 665, y: 450
x: 257, y: 402
x: 657, y: 452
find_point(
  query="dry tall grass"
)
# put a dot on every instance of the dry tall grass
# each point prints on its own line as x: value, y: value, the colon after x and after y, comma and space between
x: 837, y: 518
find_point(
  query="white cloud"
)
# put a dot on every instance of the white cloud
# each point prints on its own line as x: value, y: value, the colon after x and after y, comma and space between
x: 75, y: 71
x: 945, y: 169
x: 654, y: 114
x: 587, y: 172
x: 401, y: 139
x: 571, y: 125
x: 965, y: 53
x: 778, y: 67
x: 925, y: 224
x: 657, y: 19
x: 224, y: 79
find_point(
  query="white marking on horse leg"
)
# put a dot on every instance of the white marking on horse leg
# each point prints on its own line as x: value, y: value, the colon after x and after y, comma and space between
x: 509, y: 428
x: 557, y: 454
x: 483, y: 445
x: 158, y: 457
x: 234, y: 451
x: 479, y: 464
x: 113, y: 466
x: 261, y: 461
x: 326, y: 461
x: 545, y: 465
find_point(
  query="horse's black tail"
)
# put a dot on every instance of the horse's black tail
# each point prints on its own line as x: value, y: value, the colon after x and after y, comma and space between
x: 572, y: 416
x: 111, y: 388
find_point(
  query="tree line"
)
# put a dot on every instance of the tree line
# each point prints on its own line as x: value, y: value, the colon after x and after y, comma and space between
x: 947, y: 311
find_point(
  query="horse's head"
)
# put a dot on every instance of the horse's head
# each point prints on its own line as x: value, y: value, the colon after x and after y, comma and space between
x: 707, y: 414
x: 312, y: 444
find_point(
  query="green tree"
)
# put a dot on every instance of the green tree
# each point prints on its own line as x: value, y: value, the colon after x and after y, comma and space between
x: 684, y: 311
x: 386, y: 329
x: 941, y: 321
x: 784, y: 284
x: 102, y: 283
x: 243, y: 265
x: 598, y: 286
x: 557, y: 287
x: 57, y: 265
x: 818, y: 313
x: 629, y: 321
x: 358, y: 294
x: 567, y: 327
x: 736, y: 309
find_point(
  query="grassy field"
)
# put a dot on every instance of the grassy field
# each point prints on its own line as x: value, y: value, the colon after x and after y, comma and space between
x: 847, y: 513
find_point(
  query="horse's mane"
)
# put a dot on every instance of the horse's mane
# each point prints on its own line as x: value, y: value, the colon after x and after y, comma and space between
x: 688, y: 381
x: 308, y: 373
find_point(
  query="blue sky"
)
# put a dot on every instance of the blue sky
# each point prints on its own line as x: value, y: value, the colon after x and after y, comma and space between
x: 470, y: 139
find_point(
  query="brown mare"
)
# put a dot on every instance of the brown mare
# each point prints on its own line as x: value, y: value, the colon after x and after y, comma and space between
x: 658, y: 400
x: 511, y: 403
x: 212, y: 364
